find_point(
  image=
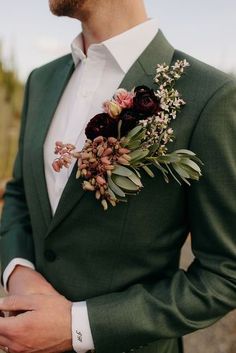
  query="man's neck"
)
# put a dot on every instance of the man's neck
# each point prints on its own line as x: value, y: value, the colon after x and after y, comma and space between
x: 103, y: 25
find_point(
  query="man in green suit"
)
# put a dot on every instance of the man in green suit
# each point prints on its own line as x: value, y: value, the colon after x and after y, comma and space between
x: 81, y: 278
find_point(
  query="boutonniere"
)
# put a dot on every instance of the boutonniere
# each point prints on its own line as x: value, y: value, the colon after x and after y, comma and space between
x: 131, y: 135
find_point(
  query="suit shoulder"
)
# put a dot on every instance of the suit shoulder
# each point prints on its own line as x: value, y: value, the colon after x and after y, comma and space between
x: 204, y: 75
x: 53, y: 66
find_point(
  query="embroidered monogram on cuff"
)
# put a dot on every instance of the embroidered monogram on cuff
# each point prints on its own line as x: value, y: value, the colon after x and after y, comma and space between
x: 82, y: 339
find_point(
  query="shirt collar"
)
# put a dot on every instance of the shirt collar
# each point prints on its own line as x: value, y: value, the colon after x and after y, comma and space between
x: 77, y: 49
x: 125, y: 48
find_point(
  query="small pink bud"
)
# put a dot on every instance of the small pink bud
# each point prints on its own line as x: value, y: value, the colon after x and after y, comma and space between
x: 56, y: 166
x: 100, y: 151
x: 70, y: 147
x: 78, y: 174
x: 82, y: 166
x: 102, y: 190
x: 92, y: 160
x: 59, y: 143
x: 123, y: 161
x: 98, y: 139
x: 107, y: 152
x: 112, y: 140
x: 123, y: 150
x: 101, y: 181
x: 98, y: 195
x: 85, y: 155
x: 93, y: 181
x: 109, y: 167
x: 112, y: 202
x: 127, y: 157
x: 88, y: 186
x: 105, y: 160
x: 76, y: 154
x: 104, y: 204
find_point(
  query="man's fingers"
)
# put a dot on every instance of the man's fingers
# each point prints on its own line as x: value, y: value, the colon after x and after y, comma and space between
x: 6, y: 326
x: 4, y: 342
x: 17, y: 303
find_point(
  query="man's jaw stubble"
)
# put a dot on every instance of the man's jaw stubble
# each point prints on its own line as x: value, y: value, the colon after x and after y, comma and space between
x: 66, y: 7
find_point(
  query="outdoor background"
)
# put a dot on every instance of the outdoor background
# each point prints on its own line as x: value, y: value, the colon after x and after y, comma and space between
x: 30, y: 36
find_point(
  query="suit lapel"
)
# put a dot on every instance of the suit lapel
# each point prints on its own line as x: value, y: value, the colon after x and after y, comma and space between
x: 46, y: 109
x: 142, y: 72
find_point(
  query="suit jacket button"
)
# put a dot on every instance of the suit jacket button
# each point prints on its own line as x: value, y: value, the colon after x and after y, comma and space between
x: 50, y: 255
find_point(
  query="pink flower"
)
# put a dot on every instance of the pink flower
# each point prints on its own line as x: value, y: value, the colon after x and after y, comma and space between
x: 124, y: 98
x: 112, y: 108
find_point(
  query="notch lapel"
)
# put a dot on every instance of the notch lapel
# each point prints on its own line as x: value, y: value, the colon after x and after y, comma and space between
x: 45, y: 111
x: 158, y: 52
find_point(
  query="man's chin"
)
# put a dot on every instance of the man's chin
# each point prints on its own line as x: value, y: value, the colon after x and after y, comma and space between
x: 65, y: 7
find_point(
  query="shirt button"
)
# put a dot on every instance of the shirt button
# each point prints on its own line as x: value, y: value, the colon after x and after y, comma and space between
x: 50, y: 255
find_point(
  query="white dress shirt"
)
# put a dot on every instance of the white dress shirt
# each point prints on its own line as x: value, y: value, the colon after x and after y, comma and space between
x: 95, y: 79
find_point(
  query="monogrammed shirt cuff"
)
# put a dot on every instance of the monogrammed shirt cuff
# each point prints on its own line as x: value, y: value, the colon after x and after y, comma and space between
x: 82, y: 339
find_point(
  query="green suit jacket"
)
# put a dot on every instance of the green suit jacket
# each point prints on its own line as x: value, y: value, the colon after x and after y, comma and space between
x: 125, y: 262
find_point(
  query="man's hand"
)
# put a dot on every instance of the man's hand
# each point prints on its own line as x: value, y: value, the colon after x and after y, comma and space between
x: 45, y: 325
x: 24, y: 280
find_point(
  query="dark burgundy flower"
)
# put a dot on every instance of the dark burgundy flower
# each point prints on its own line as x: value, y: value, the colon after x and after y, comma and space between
x: 129, y: 118
x: 101, y: 125
x: 145, y: 101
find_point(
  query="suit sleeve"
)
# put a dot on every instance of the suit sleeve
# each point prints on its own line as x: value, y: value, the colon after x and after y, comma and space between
x: 198, y: 297
x: 16, y: 232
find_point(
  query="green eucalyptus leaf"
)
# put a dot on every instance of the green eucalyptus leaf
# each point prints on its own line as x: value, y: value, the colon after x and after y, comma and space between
x: 115, y: 188
x: 136, y: 180
x: 197, y: 160
x: 169, y: 158
x: 186, y: 181
x: 111, y: 193
x: 182, y: 173
x: 185, y: 151
x: 148, y: 171
x: 172, y: 174
x: 136, y: 171
x: 125, y: 183
x: 134, y: 131
x: 192, y: 173
x: 139, y: 136
x: 191, y: 164
x: 131, y: 193
x: 153, y: 148
x: 158, y: 165
x: 123, y: 171
x: 133, y: 145
x: 138, y: 154
x: 126, y: 172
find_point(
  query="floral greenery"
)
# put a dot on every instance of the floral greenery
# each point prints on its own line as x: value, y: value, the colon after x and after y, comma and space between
x: 129, y: 136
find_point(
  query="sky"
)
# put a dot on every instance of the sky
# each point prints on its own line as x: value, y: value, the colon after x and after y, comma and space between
x: 205, y: 29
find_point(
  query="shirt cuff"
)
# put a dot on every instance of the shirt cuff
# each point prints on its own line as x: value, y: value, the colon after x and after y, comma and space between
x: 11, y: 266
x: 82, y: 339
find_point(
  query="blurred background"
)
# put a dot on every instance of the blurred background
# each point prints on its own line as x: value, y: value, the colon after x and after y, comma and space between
x: 30, y: 36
